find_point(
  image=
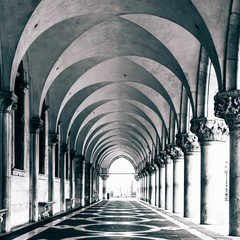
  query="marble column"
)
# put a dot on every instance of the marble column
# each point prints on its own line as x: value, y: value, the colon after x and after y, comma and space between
x: 83, y: 163
x: 162, y: 183
x: 78, y: 178
x: 169, y: 183
x: 53, y: 140
x: 176, y: 154
x: 72, y: 173
x: 151, y: 183
x: 104, y: 185
x: 36, y: 126
x: 7, y: 105
x: 88, y: 183
x: 227, y: 105
x: 146, y: 186
x: 64, y: 153
x: 212, y: 134
x: 157, y: 181
x: 191, y: 148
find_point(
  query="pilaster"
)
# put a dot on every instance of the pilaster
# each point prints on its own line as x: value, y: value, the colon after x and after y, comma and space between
x: 7, y: 105
x: 52, y: 141
x: 36, y: 125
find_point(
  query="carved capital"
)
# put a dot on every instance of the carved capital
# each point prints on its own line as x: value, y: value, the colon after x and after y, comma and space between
x: 8, y: 102
x: 174, y: 151
x: 36, y: 124
x: 104, y: 176
x: 209, y: 129
x: 150, y: 168
x: 158, y: 160
x: 227, y: 106
x: 188, y: 142
x: 53, y: 138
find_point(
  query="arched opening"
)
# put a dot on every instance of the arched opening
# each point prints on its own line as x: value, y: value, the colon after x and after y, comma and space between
x: 121, y: 182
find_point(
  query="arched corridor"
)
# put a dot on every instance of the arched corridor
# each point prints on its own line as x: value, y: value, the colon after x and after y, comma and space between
x: 86, y: 83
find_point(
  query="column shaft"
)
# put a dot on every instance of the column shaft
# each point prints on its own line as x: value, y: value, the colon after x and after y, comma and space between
x: 157, y: 181
x: 83, y: 183
x: 36, y: 125
x: 234, y: 183
x: 6, y: 107
x: 192, y: 183
x: 162, y: 186
x: 63, y: 177
x: 212, y: 183
x: 178, y: 184
x: 169, y: 184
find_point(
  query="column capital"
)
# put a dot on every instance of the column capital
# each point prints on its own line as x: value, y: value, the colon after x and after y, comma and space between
x: 209, y: 129
x: 174, y: 151
x: 188, y: 142
x: 53, y: 138
x: 150, y: 168
x: 158, y: 161
x: 8, y: 101
x: 104, y: 176
x: 227, y: 106
x: 36, y: 124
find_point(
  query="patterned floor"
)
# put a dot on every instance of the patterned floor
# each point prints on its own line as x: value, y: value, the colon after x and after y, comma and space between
x: 114, y: 219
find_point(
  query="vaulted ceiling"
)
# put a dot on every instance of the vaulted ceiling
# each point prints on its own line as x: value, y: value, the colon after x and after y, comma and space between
x: 121, y: 76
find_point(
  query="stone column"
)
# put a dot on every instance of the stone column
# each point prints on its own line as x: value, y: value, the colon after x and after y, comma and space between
x: 36, y: 126
x: 162, y: 184
x: 64, y: 153
x: 191, y: 148
x: 88, y: 171
x: 212, y: 134
x: 227, y: 106
x: 178, y: 176
x: 72, y: 173
x: 78, y: 177
x: 150, y: 170
x: 168, y: 183
x: 157, y: 180
x: 83, y: 183
x: 53, y: 140
x: 104, y: 185
x: 7, y: 104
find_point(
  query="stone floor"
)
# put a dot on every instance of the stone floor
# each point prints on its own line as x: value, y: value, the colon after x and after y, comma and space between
x: 116, y: 219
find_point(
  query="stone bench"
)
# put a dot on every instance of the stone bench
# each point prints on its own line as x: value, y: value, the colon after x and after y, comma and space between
x: 2, y: 212
x: 44, y: 209
x: 70, y: 202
